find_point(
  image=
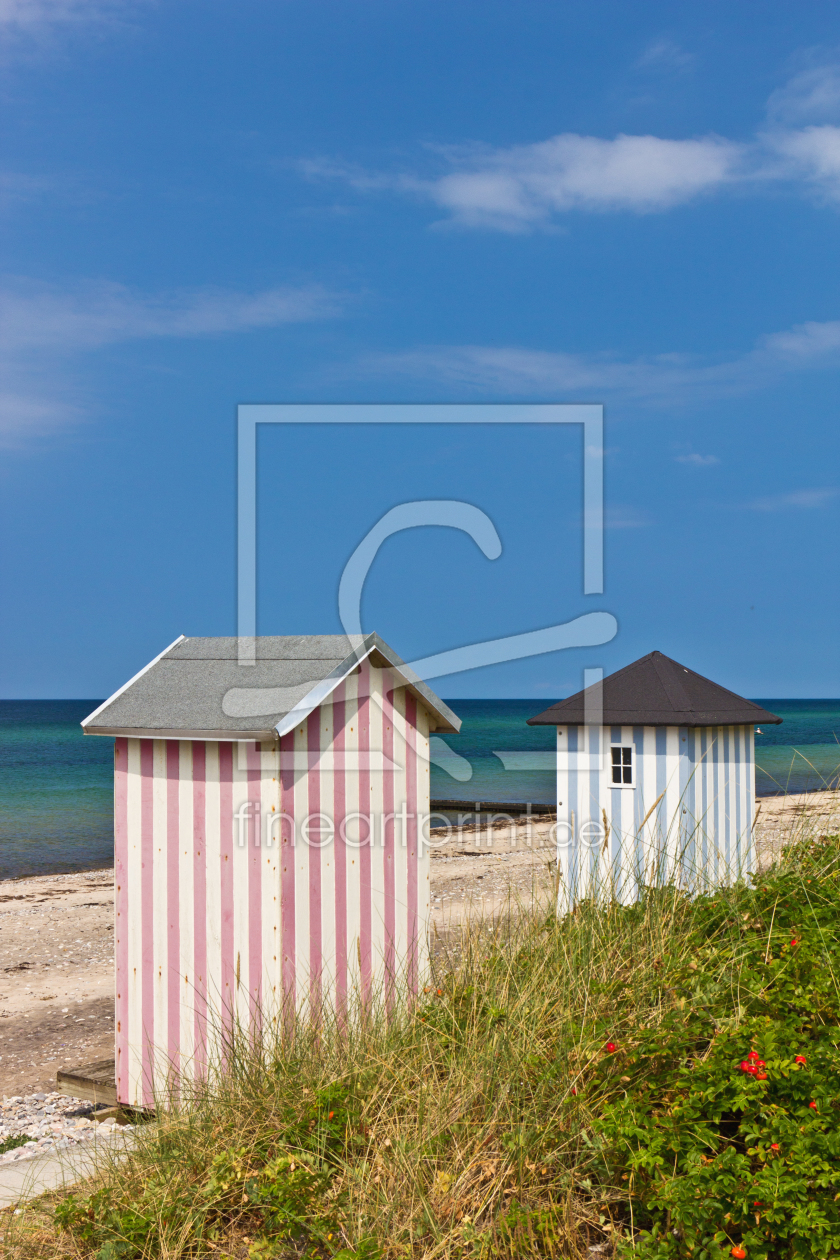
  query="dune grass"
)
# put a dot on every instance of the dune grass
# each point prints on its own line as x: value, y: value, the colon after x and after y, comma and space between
x: 526, y: 1104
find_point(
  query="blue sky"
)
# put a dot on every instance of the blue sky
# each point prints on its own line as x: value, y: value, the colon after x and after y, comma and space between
x: 205, y: 204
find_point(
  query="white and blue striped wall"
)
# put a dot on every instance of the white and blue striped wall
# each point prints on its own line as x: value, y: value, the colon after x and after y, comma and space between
x: 688, y: 815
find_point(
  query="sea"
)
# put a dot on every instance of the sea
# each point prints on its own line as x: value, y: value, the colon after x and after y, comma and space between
x: 56, y: 795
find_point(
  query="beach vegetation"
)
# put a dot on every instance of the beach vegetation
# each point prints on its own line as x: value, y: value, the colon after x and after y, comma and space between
x: 659, y: 1080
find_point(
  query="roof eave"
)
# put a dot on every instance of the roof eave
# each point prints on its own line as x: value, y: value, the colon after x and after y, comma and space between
x: 104, y: 705
x: 269, y: 735
x: 577, y: 718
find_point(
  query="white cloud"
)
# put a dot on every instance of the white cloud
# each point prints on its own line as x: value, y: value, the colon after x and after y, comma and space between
x: 795, y: 499
x: 29, y: 14
x: 664, y: 379
x: 664, y: 54
x: 617, y: 516
x: 810, y: 96
x: 811, y: 155
x: 27, y: 413
x: 512, y: 369
x: 357, y: 177
x: 529, y: 186
x: 97, y: 313
x: 17, y: 187
x: 43, y: 329
x: 525, y: 186
x: 698, y: 461
x: 805, y: 343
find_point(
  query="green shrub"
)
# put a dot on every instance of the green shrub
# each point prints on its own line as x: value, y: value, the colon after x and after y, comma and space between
x: 727, y: 1131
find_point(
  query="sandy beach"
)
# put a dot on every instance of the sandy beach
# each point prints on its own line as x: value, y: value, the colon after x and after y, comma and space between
x: 782, y: 819
x: 56, y: 976
x: 56, y: 932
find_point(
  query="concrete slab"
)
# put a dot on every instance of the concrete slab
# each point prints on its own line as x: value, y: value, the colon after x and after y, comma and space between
x: 27, y: 1178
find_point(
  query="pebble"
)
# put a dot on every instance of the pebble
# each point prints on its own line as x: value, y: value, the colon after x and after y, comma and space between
x: 49, y: 1122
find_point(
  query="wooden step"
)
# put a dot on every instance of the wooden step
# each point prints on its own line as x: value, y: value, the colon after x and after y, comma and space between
x: 96, y: 1082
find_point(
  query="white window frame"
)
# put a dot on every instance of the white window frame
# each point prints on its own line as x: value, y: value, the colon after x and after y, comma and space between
x: 632, y: 784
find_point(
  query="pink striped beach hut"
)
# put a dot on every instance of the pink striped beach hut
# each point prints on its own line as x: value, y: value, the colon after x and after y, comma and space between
x: 269, y: 827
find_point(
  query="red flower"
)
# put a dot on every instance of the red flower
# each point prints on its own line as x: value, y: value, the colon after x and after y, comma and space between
x: 611, y: 1047
x: 800, y: 1058
x: 794, y: 941
x: 738, y: 1253
x: 440, y: 992
x: 813, y: 1105
x: 774, y: 1146
x: 330, y: 1116
x: 574, y: 1089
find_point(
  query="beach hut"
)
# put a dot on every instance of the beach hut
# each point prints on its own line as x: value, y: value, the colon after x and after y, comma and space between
x: 655, y: 780
x: 268, y: 839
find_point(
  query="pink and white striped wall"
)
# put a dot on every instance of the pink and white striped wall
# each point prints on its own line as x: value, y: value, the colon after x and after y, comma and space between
x: 246, y: 880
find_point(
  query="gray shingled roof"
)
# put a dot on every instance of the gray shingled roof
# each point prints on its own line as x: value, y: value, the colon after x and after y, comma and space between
x: 657, y: 691
x: 197, y: 689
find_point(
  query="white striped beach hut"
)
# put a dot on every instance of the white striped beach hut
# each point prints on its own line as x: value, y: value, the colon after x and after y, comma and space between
x: 655, y: 781
x: 268, y: 839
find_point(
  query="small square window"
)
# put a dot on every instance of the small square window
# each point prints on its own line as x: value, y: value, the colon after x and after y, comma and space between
x: 622, y: 766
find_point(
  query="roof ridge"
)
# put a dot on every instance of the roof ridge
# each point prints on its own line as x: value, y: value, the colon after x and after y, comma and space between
x: 674, y: 689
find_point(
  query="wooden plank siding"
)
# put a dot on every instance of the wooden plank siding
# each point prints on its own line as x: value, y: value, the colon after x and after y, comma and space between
x: 227, y: 905
x: 700, y: 831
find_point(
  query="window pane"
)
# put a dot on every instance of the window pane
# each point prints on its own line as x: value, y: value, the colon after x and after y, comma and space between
x: 616, y: 771
x: 626, y: 754
x: 616, y: 756
x: 628, y: 774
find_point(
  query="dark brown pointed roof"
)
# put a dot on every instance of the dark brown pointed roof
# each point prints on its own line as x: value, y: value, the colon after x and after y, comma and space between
x: 656, y: 691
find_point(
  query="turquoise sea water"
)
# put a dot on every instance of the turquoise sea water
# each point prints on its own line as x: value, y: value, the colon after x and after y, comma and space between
x: 803, y: 754
x: 56, y: 799
x: 56, y: 789
x: 800, y: 755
